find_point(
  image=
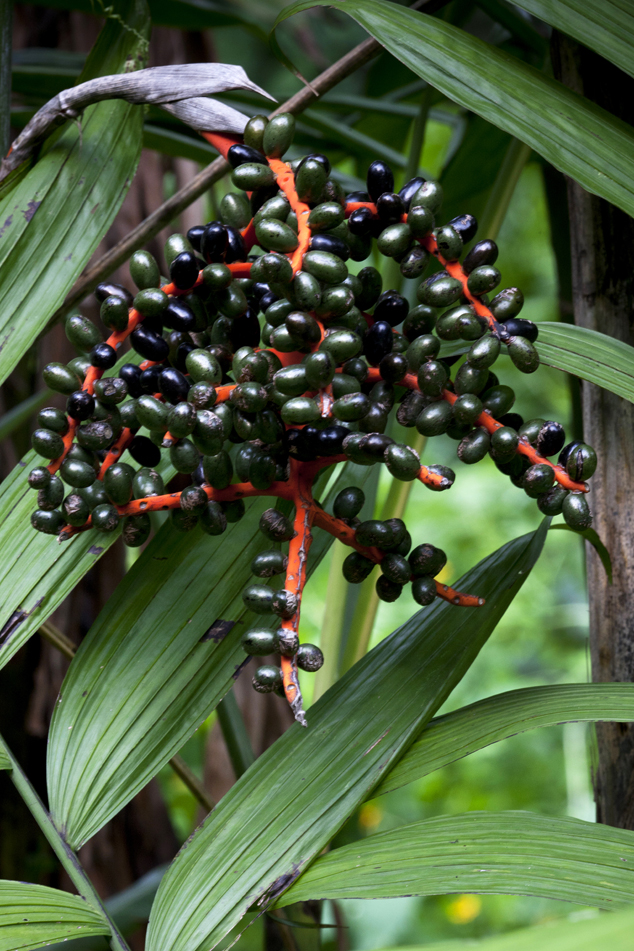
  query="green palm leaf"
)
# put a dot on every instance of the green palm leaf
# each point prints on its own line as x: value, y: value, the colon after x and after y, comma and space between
x: 508, y: 853
x: 295, y: 797
x: 573, y: 134
x: 56, y: 214
x: 34, y: 915
x: 471, y: 728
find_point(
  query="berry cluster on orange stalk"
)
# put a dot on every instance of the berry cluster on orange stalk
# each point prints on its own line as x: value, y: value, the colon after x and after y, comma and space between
x: 251, y: 405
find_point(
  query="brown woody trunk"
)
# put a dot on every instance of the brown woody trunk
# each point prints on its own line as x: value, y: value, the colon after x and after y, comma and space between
x: 602, y: 250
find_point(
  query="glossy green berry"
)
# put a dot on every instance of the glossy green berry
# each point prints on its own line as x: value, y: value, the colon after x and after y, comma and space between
x: 581, y: 463
x: 423, y: 348
x: 552, y: 502
x: 395, y: 240
x: 76, y: 473
x: 396, y: 568
x: 252, y: 175
x: 105, y: 518
x: 61, y: 378
x: 208, y: 434
x: 39, y: 477
x: 258, y: 598
x: 94, y: 495
x: 151, y: 302
x: 508, y: 303
x: 54, y: 419
x: 144, y: 270
x: 424, y: 590
x: 50, y: 495
x: 47, y: 443
x: 80, y: 366
x: 274, y: 235
x: 117, y: 482
x: 413, y: 262
x: 276, y: 526
x: 175, y: 245
x: 356, y: 567
x: 309, y: 657
x: 373, y: 533
x: 50, y: 523
x: 470, y: 379
x: 427, y: 560
x: 434, y: 419
x: 277, y: 207
x: 498, y: 400
x: 269, y: 563
x: 291, y: 380
x: 429, y: 195
x: 184, y: 456
x: 110, y: 390
x: 235, y: 210
x: 300, y: 410
x: 152, y: 413
x: 310, y: 179
x: 402, y: 462
x: 504, y: 443
x: 420, y: 320
x: 483, y: 279
x: 136, y: 530
x: 576, y: 511
x: 82, y: 333
x: 147, y: 482
x: 326, y: 267
x: 259, y: 643
x: 267, y: 679
x: 474, y: 446
x: 254, y: 132
x: 128, y: 416
x: 218, y: 469
x: 421, y: 221
x: 348, y: 503
x: 320, y: 369
x: 432, y: 378
x: 277, y: 136
x: 326, y: 216
x: 439, y: 290
x: 523, y: 354
x: 342, y: 345
x: 538, y: 480
x: 213, y: 519
x: 272, y: 267
x: 114, y: 313
x: 484, y: 352
x: 388, y: 590
x: 449, y: 242
x: 95, y: 435
x: 75, y: 510
x: 351, y: 407
x: 193, y: 500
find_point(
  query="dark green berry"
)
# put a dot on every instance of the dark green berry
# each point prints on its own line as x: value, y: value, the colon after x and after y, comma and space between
x: 50, y: 523
x: 427, y: 560
x: 213, y: 519
x: 434, y: 419
x: 576, y: 511
x: 105, y: 518
x: 388, y: 590
x: 259, y: 643
x: 75, y: 510
x: 309, y: 657
x: 474, y: 446
x: 117, y: 482
x: 47, y: 443
x: 267, y: 679
x: 136, y: 530
x: 424, y: 590
x: 348, y: 502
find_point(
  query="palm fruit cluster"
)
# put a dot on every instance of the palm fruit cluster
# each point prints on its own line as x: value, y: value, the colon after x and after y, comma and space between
x: 266, y: 358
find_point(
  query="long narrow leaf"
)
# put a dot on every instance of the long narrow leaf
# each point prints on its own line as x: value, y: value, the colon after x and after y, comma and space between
x: 35, y: 915
x: 573, y: 134
x: 605, y: 26
x: 508, y: 853
x: 54, y: 217
x: 471, y: 728
x: 295, y: 797
x: 158, y: 659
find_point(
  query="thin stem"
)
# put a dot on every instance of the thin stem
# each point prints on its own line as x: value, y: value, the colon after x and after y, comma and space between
x: 64, y: 853
x: 6, y: 42
x: 503, y: 188
x: 235, y: 734
x: 20, y: 414
x: 192, y: 782
x: 418, y: 135
x: 368, y: 602
x: 65, y: 646
x: 333, y: 623
x: 170, y: 209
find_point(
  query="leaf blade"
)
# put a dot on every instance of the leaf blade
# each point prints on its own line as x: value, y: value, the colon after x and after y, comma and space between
x: 356, y: 729
x: 572, y: 133
x: 509, y: 853
x: 36, y: 915
x: 462, y: 732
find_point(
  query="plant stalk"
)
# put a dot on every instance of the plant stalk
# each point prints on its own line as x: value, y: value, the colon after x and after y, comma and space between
x: 235, y: 734
x: 418, y: 135
x: 65, y: 646
x: 64, y: 853
x: 333, y: 623
x: 503, y: 188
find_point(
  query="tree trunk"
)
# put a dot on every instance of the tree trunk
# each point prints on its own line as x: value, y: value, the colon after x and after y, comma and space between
x: 602, y: 246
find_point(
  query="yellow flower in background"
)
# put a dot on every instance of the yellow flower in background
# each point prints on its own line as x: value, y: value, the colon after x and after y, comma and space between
x: 463, y: 909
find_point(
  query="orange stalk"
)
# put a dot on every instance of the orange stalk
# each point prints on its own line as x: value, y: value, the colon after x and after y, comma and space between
x: 286, y: 181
